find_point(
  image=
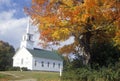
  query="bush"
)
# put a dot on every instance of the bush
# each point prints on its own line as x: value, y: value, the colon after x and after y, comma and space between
x: 14, y: 69
x: 24, y: 69
x: 18, y: 69
x: 87, y: 74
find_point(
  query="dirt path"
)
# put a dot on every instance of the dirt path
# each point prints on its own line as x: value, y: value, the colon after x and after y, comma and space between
x: 24, y: 80
x: 16, y: 76
x: 7, y: 73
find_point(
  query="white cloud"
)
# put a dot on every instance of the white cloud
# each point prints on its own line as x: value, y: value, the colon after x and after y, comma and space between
x: 6, y: 15
x: 11, y: 29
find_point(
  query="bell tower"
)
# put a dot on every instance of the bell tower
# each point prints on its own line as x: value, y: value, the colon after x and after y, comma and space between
x: 27, y: 39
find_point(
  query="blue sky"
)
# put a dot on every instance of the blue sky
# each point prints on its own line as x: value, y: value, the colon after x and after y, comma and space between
x: 13, y: 20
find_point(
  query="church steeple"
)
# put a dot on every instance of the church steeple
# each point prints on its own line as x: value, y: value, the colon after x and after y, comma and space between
x: 27, y: 39
x: 28, y: 26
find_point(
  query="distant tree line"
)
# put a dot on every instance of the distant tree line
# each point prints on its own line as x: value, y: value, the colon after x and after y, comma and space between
x: 6, y: 53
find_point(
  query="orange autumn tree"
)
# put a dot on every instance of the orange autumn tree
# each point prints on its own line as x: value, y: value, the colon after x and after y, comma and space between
x: 88, y: 21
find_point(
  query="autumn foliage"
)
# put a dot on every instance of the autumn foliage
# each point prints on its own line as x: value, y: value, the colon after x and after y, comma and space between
x: 88, y: 21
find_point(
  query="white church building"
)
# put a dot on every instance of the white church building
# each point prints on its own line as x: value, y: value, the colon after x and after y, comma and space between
x: 36, y: 59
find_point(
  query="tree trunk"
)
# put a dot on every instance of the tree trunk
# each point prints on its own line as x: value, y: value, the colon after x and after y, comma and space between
x: 84, y: 41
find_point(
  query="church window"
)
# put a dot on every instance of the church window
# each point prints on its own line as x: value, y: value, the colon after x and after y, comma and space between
x: 48, y: 64
x: 22, y: 61
x: 29, y: 38
x: 54, y: 64
x: 35, y: 63
x: 59, y: 65
x: 42, y: 64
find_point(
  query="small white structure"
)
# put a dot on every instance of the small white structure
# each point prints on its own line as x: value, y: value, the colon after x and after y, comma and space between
x: 36, y: 59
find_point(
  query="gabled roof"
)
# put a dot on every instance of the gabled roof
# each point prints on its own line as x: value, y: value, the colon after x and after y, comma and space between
x: 45, y: 54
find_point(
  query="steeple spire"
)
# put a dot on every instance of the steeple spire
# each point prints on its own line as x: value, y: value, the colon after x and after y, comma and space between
x: 28, y: 26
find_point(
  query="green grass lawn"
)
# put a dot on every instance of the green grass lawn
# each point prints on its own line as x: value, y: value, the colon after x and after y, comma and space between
x: 5, y: 77
x: 38, y: 75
